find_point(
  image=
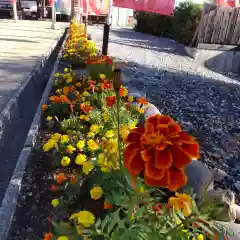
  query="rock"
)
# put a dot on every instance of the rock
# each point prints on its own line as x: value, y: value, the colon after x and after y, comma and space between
x: 237, y: 207
x: 219, y: 175
x: 225, y: 199
x: 200, y: 178
x: 237, y: 186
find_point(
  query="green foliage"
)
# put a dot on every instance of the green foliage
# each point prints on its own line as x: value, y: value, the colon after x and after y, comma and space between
x: 180, y: 27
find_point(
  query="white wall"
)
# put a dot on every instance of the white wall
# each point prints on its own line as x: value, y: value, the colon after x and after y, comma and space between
x: 120, y: 16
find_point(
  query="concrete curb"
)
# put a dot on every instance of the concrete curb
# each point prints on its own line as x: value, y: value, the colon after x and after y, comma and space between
x: 10, y: 199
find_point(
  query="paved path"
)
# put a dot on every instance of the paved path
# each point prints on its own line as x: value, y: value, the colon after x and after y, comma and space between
x: 22, y: 46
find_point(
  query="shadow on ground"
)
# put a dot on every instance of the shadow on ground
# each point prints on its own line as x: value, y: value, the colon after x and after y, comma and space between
x: 140, y: 39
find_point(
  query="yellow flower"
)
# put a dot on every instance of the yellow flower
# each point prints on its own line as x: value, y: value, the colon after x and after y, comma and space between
x: 105, y: 117
x: 85, y: 94
x: 92, y: 145
x: 91, y: 134
x: 80, y: 144
x: 65, y: 69
x: 132, y: 125
x: 109, y: 133
x: 84, y: 218
x: 80, y: 159
x: 56, y: 136
x: 130, y: 99
x: 94, y: 128
x: 87, y: 103
x: 123, y: 91
x: 102, y: 76
x: 57, y: 74
x: 49, y: 118
x: 70, y: 149
x: 51, y: 143
x: 64, y: 139
x: 82, y: 117
x: 140, y: 110
x: 62, y: 238
x: 55, y: 202
x: 87, y: 167
x: 59, y: 91
x: 200, y: 237
x: 96, y: 193
x: 65, y: 161
x: 181, y: 202
x: 124, y: 132
x: 69, y: 80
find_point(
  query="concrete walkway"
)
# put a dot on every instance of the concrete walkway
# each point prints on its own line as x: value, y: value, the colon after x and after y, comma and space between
x: 22, y: 46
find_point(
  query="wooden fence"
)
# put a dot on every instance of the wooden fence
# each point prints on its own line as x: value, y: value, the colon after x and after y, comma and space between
x: 219, y: 25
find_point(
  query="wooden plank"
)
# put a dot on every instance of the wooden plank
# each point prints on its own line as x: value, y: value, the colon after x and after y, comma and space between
x: 224, y: 25
x: 236, y: 32
x: 217, y: 25
x: 201, y: 28
x: 230, y: 26
x: 209, y: 27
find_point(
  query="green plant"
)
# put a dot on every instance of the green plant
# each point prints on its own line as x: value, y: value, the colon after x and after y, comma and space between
x: 180, y: 27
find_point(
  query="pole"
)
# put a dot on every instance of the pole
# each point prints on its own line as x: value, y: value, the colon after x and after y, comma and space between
x: 107, y: 29
x: 53, y: 26
x: 15, y: 16
x: 86, y: 18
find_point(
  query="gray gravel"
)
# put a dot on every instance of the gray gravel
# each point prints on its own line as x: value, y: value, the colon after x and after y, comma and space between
x: 205, y: 102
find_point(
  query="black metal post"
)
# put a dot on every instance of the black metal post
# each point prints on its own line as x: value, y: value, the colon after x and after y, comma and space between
x: 105, y: 38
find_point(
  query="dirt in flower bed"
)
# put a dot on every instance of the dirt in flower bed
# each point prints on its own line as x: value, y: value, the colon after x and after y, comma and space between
x: 32, y: 216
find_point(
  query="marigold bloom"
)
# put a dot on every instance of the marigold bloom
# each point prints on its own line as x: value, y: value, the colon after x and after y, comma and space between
x: 53, y: 188
x: 63, y: 238
x: 80, y: 159
x: 142, y: 101
x: 96, y: 192
x: 111, y: 100
x: 87, y: 167
x: 181, y: 202
x: 70, y: 149
x: 94, y: 128
x: 44, y: 107
x: 56, y: 136
x: 65, y: 161
x: 161, y: 150
x: 92, y: 145
x: 49, y: 118
x: 64, y: 139
x: 55, y: 202
x: 109, y: 134
x: 60, y: 178
x: 66, y: 90
x: 80, y: 144
x: 123, y: 92
x: 130, y: 98
x: 48, y: 236
x: 51, y: 143
x: 84, y: 218
x: 73, y: 179
x: 107, y: 205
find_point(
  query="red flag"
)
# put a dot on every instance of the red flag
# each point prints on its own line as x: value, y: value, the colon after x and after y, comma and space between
x: 163, y: 7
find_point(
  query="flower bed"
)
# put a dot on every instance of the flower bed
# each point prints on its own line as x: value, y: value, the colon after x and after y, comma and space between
x: 115, y: 178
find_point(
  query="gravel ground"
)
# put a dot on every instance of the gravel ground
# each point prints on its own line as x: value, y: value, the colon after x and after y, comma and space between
x: 205, y: 102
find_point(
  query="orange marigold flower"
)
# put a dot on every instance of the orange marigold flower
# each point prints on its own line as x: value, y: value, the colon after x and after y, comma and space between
x: 123, y: 91
x: 107, y: 205
x: 161, y: 150
x: 53, y: 188
x: 142, y: 101
x: 66, y: 90
x: 44, y: 107
x: 60, y: 178
x: 48, y: 236
x: 111, y: 100
x: 73, y: 179
x: 85, y: 108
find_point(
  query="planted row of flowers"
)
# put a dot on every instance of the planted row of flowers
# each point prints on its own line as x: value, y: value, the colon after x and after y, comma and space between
x: 116, y: 178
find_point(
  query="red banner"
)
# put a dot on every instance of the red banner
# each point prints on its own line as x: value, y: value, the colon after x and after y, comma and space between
x: 163, y: 7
